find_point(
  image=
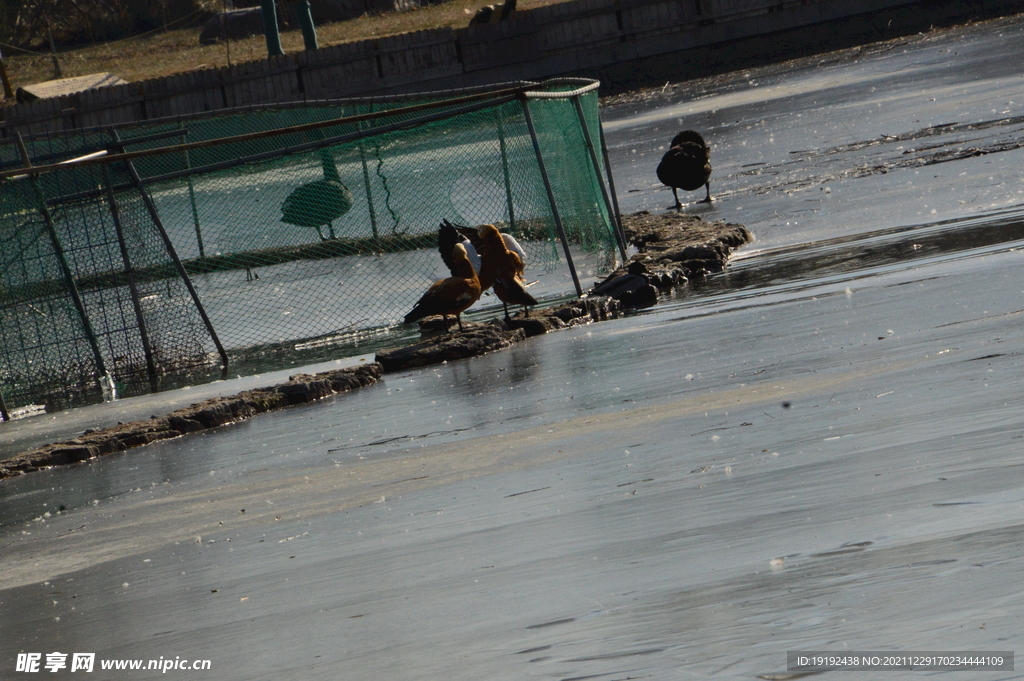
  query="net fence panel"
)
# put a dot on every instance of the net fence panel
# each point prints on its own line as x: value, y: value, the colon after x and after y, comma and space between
x: 46, y: 355
x: 585, y: 217
x: 316, y: 229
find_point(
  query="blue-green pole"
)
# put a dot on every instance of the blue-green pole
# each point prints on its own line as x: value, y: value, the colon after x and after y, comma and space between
x: 270, y: 28
x: 306, y: 24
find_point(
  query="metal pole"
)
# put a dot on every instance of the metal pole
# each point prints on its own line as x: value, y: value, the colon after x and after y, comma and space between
x: 8, y: 90
x: 129, y: 273
x: 306, y: 24
x: 224, y: 26
x: 500, y: 98
x: 270, y: 30
x: 611, y: 180
x: 366, y: 180
x: 192, y: 202
x: 242, y: 160
x: 504, y: 167
x: 551, y: 195
x: 53, y: 53
x: 58, y: 250
x: 597, y: 173
x: 158, y: 223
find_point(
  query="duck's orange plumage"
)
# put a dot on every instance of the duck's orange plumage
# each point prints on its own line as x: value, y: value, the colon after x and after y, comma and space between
x: 503, y: 269
x: 450, y: 296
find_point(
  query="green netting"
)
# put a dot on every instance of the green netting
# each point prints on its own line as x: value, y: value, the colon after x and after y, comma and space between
x: 255, y: 237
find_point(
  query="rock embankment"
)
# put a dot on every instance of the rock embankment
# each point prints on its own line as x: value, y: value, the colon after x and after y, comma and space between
x: 209, y: 413
x: 498, y: 334
x: 674, y: 249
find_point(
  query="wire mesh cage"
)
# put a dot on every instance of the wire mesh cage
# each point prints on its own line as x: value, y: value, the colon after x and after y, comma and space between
x: 141, y: 257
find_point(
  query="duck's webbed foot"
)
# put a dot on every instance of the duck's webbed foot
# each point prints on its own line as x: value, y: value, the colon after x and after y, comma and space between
x: 678, y: 204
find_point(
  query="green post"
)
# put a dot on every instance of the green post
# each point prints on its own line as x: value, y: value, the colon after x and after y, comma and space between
x: 270, y: 29
x: 224, y: 25
x: 504, y: 167
x: 53, y: 54
x: 611, y: 180
x: 366, y: 181
x: 192, y: 201
x: 306, y: 24
x: 8, y: 90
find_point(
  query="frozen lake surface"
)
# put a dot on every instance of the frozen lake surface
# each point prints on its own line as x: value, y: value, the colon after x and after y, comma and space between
x: 820, y: 449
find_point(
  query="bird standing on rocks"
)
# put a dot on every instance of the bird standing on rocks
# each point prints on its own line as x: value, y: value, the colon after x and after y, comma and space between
x: 686, y: 165
x: 449, y: 296
x: 502, y: 263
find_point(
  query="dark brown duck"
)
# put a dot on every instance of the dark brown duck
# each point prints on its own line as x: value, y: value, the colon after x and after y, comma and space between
x: 686, y: 165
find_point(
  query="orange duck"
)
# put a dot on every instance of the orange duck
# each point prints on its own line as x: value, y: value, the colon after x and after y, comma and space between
x: 502, y: 267
x: 450, y: 296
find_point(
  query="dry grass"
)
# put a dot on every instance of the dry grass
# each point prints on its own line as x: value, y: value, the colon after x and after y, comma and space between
x: 178, y: 51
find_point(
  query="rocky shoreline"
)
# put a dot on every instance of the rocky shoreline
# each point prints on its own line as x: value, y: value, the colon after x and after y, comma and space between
x: 673, y: 250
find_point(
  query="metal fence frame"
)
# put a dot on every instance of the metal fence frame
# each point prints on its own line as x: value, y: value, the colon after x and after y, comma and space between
x: 116, y: 152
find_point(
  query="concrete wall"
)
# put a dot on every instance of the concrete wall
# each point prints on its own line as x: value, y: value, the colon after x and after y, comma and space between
x: 583, y: 37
